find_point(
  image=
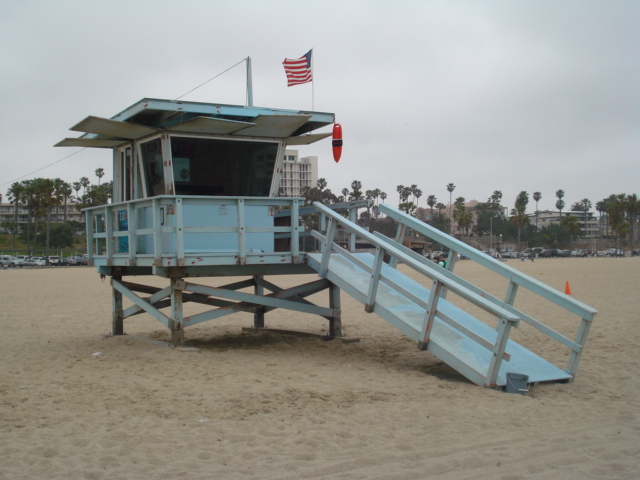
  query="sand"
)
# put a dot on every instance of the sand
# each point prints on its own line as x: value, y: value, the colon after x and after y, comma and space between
x: 76, y: 403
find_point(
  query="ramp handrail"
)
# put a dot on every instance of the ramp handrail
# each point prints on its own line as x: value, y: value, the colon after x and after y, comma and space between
x: 516, y: 280
x: 506, y: 318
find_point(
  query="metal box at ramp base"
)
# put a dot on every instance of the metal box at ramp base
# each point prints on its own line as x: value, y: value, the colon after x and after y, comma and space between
x: 517, y: 383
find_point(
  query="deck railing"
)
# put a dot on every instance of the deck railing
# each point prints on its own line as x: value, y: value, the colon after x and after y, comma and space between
x: 170, y: 230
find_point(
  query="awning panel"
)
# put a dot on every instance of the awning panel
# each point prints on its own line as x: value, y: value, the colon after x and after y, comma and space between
x: 307, y: 139
x: 274, y: 126
x: 90, y: 142
x: 216, y: 126
x: 112, y: 128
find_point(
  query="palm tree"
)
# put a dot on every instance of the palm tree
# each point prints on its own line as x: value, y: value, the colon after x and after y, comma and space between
x: 29, y: 198
x: 16, y: 196
x: 571, y: 225
x: 400, y: 189
x: 356, y: 193
x: 616, y: 216
x: 85, y: 182
x: 584, y: 206
x: 99, y: 173
x: 632, y: 208
x: 560, y: 202
x: 601, y: 207
x: 321, y: 184
x: 77, y: 186
x: 495, y: 199
x: 431, y: 201
x: 66, y: 191
x: 462, y: 216
x: 519, y: 218
x: 450, y: 188
x: 417, y: 193
x: 536, y: 197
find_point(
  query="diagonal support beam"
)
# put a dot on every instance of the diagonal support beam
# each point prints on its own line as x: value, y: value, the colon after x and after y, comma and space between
x: 141, y: 302
x: 288, y: 299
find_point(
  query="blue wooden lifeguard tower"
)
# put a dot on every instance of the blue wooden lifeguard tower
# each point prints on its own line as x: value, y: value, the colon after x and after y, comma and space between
x: 194, y: 195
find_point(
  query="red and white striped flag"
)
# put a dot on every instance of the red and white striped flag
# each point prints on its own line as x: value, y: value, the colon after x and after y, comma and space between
x: 299, y: 70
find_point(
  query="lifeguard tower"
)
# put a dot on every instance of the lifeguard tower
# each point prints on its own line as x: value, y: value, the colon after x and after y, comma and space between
x: 194, y: 195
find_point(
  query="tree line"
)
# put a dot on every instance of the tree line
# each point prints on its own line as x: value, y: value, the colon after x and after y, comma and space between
x: 618, y: 213
x: 41, y: 196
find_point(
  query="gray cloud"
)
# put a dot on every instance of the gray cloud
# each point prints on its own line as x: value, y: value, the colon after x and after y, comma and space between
x: 489, y: 95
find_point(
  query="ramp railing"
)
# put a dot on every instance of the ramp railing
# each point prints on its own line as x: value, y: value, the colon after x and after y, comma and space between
x: 386, y: 247
x: 516, y: 280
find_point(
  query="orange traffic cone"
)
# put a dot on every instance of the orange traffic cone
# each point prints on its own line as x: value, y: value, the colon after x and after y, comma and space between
x: 567, y: 288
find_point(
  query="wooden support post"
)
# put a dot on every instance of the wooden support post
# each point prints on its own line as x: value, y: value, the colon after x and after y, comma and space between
x: 177, y: 333
x: 335, y: 323
x: 258, y: 316
x: 117, y: 326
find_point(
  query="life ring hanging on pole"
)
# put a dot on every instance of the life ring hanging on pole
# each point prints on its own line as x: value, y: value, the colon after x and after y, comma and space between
x: 337, y: 142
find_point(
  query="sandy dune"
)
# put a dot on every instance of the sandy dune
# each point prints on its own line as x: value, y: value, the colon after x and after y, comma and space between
x: 76, y: 404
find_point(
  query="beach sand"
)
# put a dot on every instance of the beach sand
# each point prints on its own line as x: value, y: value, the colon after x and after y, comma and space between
x: 76, y: 403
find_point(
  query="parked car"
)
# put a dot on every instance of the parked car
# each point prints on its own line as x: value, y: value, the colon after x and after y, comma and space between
x: 54, y: 260
x: 68, y: 261
x: 21, y: 259
x: 35, y: 262
x: 81, y: 260
x: 7, y: 261
x: 614, y: 252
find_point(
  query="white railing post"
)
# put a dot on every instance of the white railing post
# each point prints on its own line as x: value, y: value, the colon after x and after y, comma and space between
x: 110, y: 240
x: 295, y: 231
x: 504, y: 328
x: 242, y: 250
x: 132, y: 224
x: 158, y: 221
x: 179, y: 232
x: 327, y: 247
x: 430, y: 314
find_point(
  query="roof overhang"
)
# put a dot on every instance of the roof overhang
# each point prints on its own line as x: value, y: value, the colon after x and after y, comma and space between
x: 150, y: 116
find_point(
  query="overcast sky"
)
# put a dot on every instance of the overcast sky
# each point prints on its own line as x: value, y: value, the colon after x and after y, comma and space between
x: 488, y: 95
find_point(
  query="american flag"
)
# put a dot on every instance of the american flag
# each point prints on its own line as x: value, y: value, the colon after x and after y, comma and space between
x: 299, y: 70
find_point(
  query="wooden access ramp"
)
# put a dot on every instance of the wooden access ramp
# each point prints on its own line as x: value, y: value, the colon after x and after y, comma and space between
x: 483, y: 354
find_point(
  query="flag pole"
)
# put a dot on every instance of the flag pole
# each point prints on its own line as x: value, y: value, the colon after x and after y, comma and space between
x: 249, y: 84
x: 313, y: 84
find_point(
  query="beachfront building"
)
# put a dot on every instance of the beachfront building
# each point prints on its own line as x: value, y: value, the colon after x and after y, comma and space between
x: 470, y: 206
x: 297, y: 174
x: 60, y: 213
x: 588, y: 223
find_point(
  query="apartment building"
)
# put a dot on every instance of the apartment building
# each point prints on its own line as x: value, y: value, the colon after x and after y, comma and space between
x: 297, y: 173
x: 588, y: 223
x: 7, y: 211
